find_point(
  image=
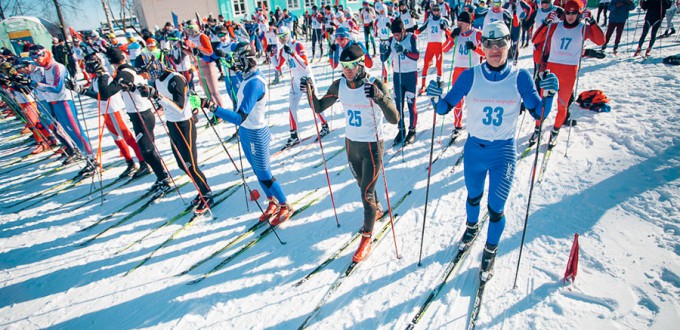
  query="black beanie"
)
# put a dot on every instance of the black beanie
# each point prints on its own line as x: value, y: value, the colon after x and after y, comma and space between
x: 115, y: 55
x: 351, y: 53
x: 465, y: 17
x: 397, y: 26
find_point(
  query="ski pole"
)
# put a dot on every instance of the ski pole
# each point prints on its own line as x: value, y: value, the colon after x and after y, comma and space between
x: 531, y: 187
x: 382, y: 170
x: 429, y: 174
x: 578, y: 75
x: 323, y: 156
x: 146, y: 130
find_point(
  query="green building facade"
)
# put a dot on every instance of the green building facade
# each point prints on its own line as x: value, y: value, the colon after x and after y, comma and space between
x: 236, y: 10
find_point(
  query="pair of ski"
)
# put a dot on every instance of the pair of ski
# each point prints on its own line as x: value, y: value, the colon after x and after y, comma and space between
x: 448, y: 271
x: 544, y: 162
x: 250, y: 231
x: 155, y: 196
x: 229, y: 191
x: 451, y: 142
x: 352, y: 266
x: 300, y: 146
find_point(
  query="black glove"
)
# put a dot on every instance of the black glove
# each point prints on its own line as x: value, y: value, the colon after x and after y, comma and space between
x: 219, y: 53
x: 514, y: 7
x: 371, y: 91
x: 334, y: 47
x: 591, y: 21
x: 126, y: 86
x: 208, y: 104
x: 147, y: 91
x: 470, y: 45
x: 69, y: 84
x: 304, y: 82
x: 287, y: 49
x: 456, y: 32
x: 399, y: 48
x: 442, y: 26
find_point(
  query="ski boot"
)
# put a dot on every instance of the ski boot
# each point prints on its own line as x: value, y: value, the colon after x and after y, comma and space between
x: 324, y: 130
x: 130, y: 170
x: 637, y: 52
x: 411, y: 136
x: 399, y: 138
x: 272, y: 209
x: 277, y: 78
x: 203, y: 206
x: 89, y: 169
x: 456, y: 133
x: 292, y: 140
x: 470, y: 233
x: 534, y: 136
x: 70, y: 159
x: 42, y: 147
x: 364, y: 247
x: 160, y: 188
x: 553, y: 138
x: 285, y: 212
x: 143, y: 170
x: 488, y: 260
x: 649, y: 50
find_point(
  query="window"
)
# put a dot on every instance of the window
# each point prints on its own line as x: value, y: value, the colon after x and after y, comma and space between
x: 309, y: 3
x: 239, y: 7
x: 293, y: 4
x: 348, y: 1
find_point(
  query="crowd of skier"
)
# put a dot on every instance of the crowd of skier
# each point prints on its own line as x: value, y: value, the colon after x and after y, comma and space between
x: 159, y: 75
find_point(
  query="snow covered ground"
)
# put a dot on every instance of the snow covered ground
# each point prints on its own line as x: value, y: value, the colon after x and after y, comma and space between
x: 618, y: 188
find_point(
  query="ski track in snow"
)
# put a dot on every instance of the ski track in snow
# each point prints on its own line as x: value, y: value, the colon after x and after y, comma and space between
x: 618, y: 188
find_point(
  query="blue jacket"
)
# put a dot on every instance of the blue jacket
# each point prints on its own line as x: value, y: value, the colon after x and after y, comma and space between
x: 618, y: 10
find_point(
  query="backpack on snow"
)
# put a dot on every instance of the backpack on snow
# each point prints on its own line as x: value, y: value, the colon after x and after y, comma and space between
x: 594, y: 100
x: 672, y: 60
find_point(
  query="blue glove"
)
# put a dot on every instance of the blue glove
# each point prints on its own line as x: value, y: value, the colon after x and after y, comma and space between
x: 548, y: 82
x: 434, y: 89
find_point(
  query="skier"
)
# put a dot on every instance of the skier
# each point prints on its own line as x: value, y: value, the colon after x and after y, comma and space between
x: 60, y: 103
x: 172, y: 93
x: 343, y: 40
x: 603, y: 7
x: 254, y: 132
x: 438, y: 30
x: 491, y: 122
x: 143, y: 121
x: 207, y: 66
x: 293, y: 53
x: 368, y: 17
x: 656, y: 11
x: 17, y: 82
x: 317, y: 31
x: 110, y: 106
x: 468, y: 53
x: 224, y: 49
x: 408, y: 16
x: 564, y: 46
x: 670, y: 13
x: 381, y: 28
x: 552, y: 13
x: 402, y: 50
x: 618, y: 15
x: 366, y: 101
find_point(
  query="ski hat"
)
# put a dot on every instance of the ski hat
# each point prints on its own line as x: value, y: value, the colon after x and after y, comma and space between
x: 93, y: 64
x: 497, y: 3
x: 40, y: 55
x: 342, y: 32
x: 465, y: 17
x: 398, y: 26
x: 244, y: 57
x: 352, y: 53
x: 115, y: 55
x: 572, y: 5
x: 495, y: 30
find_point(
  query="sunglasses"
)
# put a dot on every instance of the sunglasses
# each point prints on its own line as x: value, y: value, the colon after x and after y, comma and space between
x: 38, y: 55
x: 495, y: 43
x: 571, y: 12
x: 351, y: 64
x: 221, y: 35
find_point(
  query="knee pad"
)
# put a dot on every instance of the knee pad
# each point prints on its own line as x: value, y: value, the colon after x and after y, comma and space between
x: 495, y: 216
x: 475, y: 200
x: 268, y: 183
